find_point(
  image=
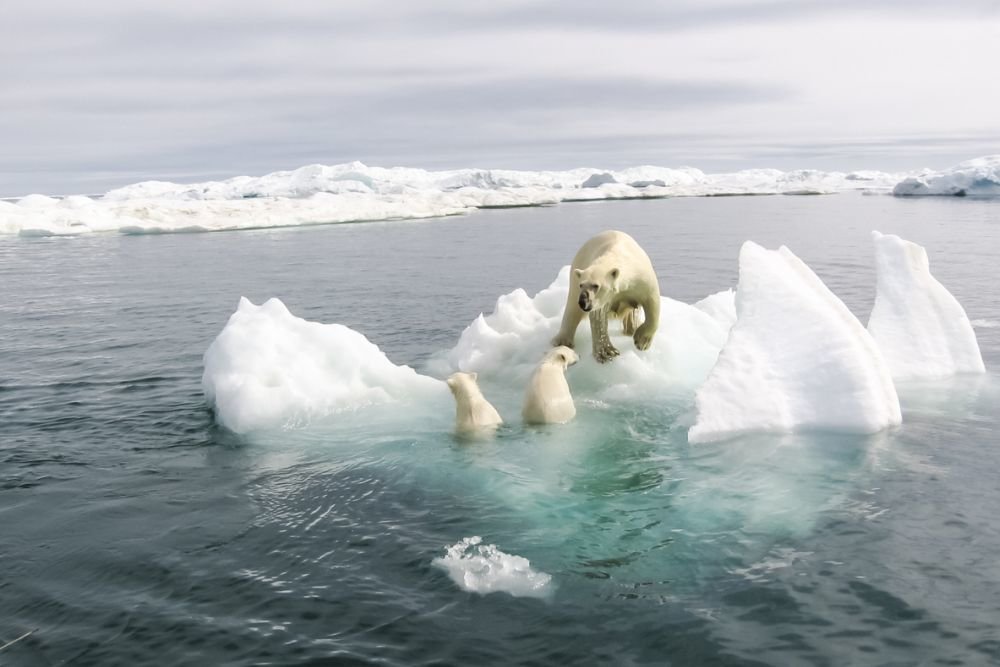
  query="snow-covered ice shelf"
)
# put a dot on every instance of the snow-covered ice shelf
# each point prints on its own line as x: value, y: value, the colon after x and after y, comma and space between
x: 320, y: 194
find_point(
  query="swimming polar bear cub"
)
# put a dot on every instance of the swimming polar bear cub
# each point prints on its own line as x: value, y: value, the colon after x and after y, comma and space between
x: 611, y: 275
x: 548, y: 400
x: 472, y: 411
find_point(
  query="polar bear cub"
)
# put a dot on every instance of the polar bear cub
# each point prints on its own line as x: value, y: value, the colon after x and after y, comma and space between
x: 548, y: 399
x: 472, y: 411
x: 611, y: 276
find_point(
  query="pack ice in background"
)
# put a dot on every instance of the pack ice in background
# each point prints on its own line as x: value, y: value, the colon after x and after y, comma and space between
x: 781, y: 354
x: 354, y: 192
x: 974, y: 178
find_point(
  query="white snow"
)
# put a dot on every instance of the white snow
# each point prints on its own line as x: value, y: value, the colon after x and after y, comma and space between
x: 482, y: 568
x: 974, y: 178
x: 322, y: 194
x: 269, y: 369
x: 921, y: 329
x: 796, y: 358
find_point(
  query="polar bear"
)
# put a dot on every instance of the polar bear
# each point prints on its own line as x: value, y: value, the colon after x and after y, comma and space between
x: 611, y: 276
x: 472, y: 411
x: 548, y: 399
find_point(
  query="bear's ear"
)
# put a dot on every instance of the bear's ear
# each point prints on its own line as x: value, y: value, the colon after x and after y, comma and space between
x: 474, y: 376
x: 578, y: 272
x: 450, y: 382
x: 614, y: 274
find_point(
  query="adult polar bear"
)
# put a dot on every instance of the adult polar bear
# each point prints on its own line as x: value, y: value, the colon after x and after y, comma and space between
x: 611, y: 275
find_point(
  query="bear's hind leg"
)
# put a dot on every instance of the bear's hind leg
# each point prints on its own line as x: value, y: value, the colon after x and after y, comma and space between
x: 643, y: 337
x: 631, y: 318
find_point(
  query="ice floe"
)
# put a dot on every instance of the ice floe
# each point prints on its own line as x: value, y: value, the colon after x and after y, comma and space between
x: 796, y: 358
x: 921, y: 329
x: 482, y: 568
x: 507, y: 344
x: 781, y: 353
x: 973, y: 178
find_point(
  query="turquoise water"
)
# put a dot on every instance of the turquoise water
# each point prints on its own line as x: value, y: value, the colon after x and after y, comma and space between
x: 135, y: 531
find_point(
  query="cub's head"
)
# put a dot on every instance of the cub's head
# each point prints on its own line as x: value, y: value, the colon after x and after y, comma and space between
x: 561, y: 356
x: 595, y: 285
x: 462, y: 384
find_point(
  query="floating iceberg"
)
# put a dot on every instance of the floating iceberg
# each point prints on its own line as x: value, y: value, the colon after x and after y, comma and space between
x: 351, y: 192
x: 921, y: 329
x: 796, y: 358
x: 483, y: 568
x: 782, y: 353
x: 270, y: 369
x: 973, y: 178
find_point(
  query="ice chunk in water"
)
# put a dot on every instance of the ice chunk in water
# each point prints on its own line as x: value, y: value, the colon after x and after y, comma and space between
x: 483, y: 568
x: 921, y: 329
x: 796, y: 358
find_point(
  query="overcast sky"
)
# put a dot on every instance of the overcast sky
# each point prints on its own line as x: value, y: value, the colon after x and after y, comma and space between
x: 103, y: 93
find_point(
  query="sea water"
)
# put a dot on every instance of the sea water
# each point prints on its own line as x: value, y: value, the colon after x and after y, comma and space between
x: 134, y: 530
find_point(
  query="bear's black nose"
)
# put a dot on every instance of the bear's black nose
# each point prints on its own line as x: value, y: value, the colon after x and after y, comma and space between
x: 584, y: 303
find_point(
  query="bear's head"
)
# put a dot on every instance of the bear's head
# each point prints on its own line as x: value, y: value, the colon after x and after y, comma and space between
x: 596, y: 286
x: 561, y: 356
x: 463, y: 384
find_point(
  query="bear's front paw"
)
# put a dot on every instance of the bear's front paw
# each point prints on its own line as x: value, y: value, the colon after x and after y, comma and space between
x: 605, y: 353
x: 642, y: 339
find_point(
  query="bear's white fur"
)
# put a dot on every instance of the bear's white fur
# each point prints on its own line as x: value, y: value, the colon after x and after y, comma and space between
x: 611, y: 276
x: 548, y: 399
x: 472, y: 411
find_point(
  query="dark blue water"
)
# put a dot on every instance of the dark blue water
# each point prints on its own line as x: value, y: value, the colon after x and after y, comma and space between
x: 135, y: 531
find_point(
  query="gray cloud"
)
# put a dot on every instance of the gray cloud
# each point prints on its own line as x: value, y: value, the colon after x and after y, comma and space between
x: 103, y: 93
x: 658, y: 16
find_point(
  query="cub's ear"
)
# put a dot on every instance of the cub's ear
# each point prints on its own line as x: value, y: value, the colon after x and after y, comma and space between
x: 578, y: 272
x: 450, y: 382
x: 614, y: 274
x: 474, y: 376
